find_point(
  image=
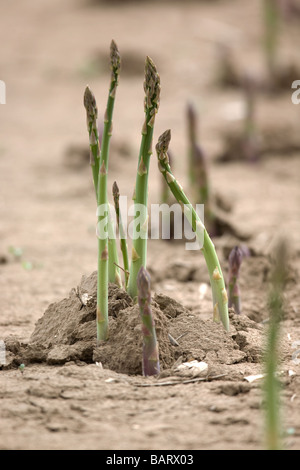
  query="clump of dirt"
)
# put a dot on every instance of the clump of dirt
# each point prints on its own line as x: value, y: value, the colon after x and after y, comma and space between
x: 123, y: 351
x: 66, y: 332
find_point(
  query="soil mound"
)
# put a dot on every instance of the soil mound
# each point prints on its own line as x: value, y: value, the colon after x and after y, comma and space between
x: 67, y: 332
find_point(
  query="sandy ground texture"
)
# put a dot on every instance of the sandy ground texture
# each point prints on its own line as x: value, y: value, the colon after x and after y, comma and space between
x: 71, y: 394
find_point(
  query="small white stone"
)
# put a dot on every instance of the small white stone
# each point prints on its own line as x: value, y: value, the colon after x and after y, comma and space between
x: 85, y: 298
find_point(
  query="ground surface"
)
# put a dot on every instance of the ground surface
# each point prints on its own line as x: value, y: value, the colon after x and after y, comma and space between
x: 49, y: 51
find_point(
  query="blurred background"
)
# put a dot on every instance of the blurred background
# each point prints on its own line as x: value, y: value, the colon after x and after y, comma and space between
x: 207, y: 53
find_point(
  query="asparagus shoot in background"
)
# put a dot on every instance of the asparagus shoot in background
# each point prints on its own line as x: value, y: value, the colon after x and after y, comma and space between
x: 123, y: 243
x: 251, y: 147
x: 139, y: 247
x: 198, y: 171
x: 271, y: 18
x: 192, y: 140
x: 271, y: 359
x: 235, y: 260
x: 220, y: 301
x: 151, y: 364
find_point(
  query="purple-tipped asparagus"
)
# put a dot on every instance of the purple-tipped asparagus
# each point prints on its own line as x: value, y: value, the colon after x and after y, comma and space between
x: 235, y: 261
x: 150, y: 346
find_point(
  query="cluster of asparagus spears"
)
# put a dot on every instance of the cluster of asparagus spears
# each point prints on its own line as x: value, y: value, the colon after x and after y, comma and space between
x: 137, y: 280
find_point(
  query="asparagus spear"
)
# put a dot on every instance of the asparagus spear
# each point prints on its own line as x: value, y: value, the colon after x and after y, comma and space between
x: 235, y: 260
x: 271, y: 14
x: 198, y: 172
x: 115, y: 62
x: 139, y: 248
x: 151, y: 364
x: 220, y: 301
x: 95, y: 139
x: 192, y: 131
x: 123, y: 243
x: 99, y: 177
x: 251, y: 147
x: 107, y: 251
x: 271, y: 383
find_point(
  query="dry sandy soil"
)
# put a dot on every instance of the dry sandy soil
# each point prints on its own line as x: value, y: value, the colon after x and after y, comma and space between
x: 50, y: 50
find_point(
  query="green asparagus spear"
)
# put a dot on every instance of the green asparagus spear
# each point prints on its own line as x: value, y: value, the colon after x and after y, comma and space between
x: 271, y: 16
x: 271, y: 359
x: 115, y: 62
x: 106, y: 249
x: 107, y: 252
x: 99, y: 177
x: 139, y: 248
x: 220, y: 301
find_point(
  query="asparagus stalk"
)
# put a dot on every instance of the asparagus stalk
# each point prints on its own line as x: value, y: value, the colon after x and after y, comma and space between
x: 99, y: 163
x: 113, y: 258
x: 102, y: 280
x: 165, y: 191
x: 251, y: 149
x: 106, y: 250
x: 139, y: 248
x: 271, y: 383
x: 99, y: 178
x: 123, y: 243
x: 271, y: 14
x: 220, y: 301
x: 235, y: 260
x: 95, y: 138
x: 115, y: 61
x: 151, y: 364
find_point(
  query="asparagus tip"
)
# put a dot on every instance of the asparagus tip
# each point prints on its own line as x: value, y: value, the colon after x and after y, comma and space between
x: 235, y: 258
x: 162, y: 145
x: 143, y: 282
x: 199, y: 154
x: 151, y: 84
x: 115, y: 190
x: 191, y: 111
x: 89, y: 102
x: 115, y: 57
x: 150, y: 65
